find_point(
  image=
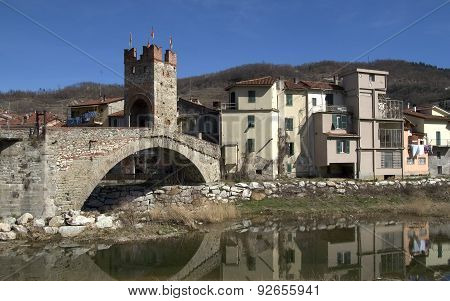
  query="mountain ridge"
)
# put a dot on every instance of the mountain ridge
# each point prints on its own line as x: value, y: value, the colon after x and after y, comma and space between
x: 415, y: 82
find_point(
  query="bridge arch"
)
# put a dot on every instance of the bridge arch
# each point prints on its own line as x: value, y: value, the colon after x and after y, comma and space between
x: 80, y: 174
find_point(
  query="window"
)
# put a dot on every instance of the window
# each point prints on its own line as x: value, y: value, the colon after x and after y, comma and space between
x: 372, y: 77
x: 340, y: 258
x: 259, y: 171
x: 250, y: 121
x: 290, y: 256
x: 289, y: 124
x: 439, y: 170
x: 329, y: 99
x: 391, y: 160
x: 251, y: 96
x: 438, y: 138
x: 314, y: 102
x: 289, y: 100
x: 422, y: 161
x: 410, y: 161
x: 438, y: 154
x: 291, y: 148
x: 289, y: 167
x: 250, y: 145
x: 339, y: 121
x: 133, y: 70
x: 343, y: 146
x: 347, y: 258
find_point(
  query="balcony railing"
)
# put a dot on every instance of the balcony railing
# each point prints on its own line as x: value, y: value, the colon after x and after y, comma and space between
x: 390, y: 109
x: 390, y: 138
x: 337, y: 109
x: 229, y: 106
x: 439, y: 142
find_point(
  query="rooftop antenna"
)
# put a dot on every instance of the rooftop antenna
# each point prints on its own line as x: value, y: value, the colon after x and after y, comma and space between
x: 171, y: 42
x: 152, y: 34
x: 131, y: 40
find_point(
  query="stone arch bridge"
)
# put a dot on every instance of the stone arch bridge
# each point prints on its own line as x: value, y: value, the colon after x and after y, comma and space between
x: 60, y: 170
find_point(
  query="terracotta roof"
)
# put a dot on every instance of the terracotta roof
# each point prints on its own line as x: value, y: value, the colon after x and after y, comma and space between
x: 96, y: 102
x: 321, y: 85
x: 26, y: 120
x: 290, y: 85
x: 117, y: 114
x: 424, y: 116
x: 263, y: 81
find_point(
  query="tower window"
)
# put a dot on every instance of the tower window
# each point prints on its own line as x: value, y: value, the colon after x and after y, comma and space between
x: 291, y: 148
x: 133, y: 70
x: 314, y: 102
x: 372, y: 77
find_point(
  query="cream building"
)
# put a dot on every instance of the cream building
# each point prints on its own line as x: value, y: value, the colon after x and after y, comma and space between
x: 260, y: 127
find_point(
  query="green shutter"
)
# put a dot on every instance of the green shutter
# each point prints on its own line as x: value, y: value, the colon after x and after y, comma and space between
x: 338, y: 149
x: 335, y: 125
x: 347, y: 146
x: 344, y: 121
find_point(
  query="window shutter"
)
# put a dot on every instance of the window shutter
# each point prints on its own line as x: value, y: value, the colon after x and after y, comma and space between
x: 344, y: 121
x: 347, y: 146
x: 338, y: 148
x: 335, y: 125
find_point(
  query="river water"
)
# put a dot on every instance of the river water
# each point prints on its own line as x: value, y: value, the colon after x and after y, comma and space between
x: 273, y: 251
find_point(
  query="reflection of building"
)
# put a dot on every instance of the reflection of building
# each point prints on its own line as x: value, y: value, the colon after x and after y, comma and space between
x: 364, y: 252
x: 381, y: 251
x: 251, y: 256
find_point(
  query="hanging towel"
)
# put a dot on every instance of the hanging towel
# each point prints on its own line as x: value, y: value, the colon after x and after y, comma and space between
x: 414, y: 150
x: 421, y: 150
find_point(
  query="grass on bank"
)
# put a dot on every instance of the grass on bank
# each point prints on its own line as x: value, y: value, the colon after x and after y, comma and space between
x: 427, y: 201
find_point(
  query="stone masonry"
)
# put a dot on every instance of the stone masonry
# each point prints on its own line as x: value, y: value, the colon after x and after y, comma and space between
x: 44, y: 177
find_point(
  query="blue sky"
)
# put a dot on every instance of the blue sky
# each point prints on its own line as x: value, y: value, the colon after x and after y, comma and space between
x: 209, y: 35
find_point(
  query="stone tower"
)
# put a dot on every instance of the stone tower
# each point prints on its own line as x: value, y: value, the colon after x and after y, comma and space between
x: 151, y: 88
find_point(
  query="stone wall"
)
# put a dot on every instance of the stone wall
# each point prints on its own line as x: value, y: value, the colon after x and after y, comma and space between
x: 434, y: 161
x: 22, y: 173
x: 111, y: 197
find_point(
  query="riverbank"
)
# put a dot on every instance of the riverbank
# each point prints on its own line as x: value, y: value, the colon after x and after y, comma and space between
x: 311, y: 203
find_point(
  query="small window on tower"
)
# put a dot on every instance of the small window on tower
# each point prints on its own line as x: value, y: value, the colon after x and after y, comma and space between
x: 133, y: 70
x: 372, y: 77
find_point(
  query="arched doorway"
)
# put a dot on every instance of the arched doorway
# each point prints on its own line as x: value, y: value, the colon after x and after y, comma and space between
x: 141, y: 114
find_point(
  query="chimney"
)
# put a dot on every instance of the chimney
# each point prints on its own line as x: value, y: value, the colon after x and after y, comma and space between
x: 414, y: 108
x: 336, y: 79
x: 408, y: 105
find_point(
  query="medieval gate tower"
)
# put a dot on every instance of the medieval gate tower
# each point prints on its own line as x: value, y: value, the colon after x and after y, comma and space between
x: 151, y: 88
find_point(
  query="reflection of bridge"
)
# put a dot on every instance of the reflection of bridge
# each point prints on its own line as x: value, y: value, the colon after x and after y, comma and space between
x: 77, y: 264
x: 61, y: 169
x: 205, y: 260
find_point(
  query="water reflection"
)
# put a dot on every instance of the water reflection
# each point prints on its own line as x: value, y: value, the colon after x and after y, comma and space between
x: 410, y: 251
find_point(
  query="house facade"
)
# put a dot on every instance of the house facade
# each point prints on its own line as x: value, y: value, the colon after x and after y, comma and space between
x: 260, y: 128
x: 348, y: 128
x: 435, y: 123
x: 415, y: 154
x: 96, y: 112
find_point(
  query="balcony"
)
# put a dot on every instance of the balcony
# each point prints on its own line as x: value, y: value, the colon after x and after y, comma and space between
x: 87, y: 118
x: 439, y: 142
x: 337, y: 109
x: 229, y: 106
x: 390, y: 138
x: 389, y: 109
